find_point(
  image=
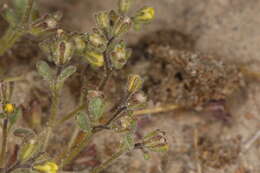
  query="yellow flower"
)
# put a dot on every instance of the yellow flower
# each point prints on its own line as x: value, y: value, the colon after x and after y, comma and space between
x: 9, y: 108
x: 48, y: 167
x: 144, y: 15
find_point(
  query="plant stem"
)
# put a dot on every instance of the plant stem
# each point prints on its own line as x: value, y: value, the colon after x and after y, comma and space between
x: 71, y: 114
x: 107, y: 67
x: 54, y: 106
x: 159, y: 109
x: 104, y: 165
x: 4, y: 143
x: 54, y: 111
x: 76, y: 150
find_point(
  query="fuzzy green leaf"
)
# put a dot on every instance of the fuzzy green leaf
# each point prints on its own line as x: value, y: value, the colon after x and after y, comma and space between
x: 10, y: 16
x: 23, y: 132
x: 146, y: 156
x: 96, y: 108
x: 66, y: 73
x: 28, y: 149
x: 45, y: 71
x: 83, y: 122
x: 20, y: 6
x: 14, y: 117
x: 2, y: 115
x: 129, y: 141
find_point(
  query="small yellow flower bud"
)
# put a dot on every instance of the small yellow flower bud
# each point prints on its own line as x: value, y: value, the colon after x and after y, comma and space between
x: 95, y: 58
x: 144, y: 15
x: 9, y: 108
x: 48, y: 167
x: 134, y: 83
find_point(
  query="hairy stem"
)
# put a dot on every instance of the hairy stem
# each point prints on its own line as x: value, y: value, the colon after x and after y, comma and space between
x: 4, y: 143
x: 71, y: 114
x: 107, y: 67
x: 75, y: 150
x: 54, y: 111
x: 158, y: 109
x: 104, y: 165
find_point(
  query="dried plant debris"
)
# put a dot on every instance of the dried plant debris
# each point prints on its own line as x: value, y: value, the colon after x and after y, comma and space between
x: 187, y: 78
x: 217, y: 153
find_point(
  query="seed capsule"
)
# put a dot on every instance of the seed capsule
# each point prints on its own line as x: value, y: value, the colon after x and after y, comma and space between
x: 156, y: 141
x: 46, y: 23
x: 122, y: 25
x: 120, y: 55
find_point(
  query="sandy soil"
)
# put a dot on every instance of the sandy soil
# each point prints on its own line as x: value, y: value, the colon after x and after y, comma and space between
x: 227, y: 29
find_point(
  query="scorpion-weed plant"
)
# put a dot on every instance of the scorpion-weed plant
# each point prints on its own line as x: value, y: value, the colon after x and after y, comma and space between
x: 101, y: 49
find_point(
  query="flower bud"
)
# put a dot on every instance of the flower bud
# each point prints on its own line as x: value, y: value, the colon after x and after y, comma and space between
x: 113, y: 16
x: 102, y: 20
x: 144, y: 15
x: 122, y: 25
x: 46, y: 23
x: 125, y: 123
x: 8, y: 108
x: 119, y: 55
x: 48, y: 167
x: 63, y: 48
x: 60, y: 49
x: 97, y: 41
x: 94, y: 58
x: 124, y: 5
x: 134, y: 83
x: 27, y: 150
x: 156, y: 141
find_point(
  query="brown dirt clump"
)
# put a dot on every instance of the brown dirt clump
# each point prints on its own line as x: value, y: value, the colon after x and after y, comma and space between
x: 179, y: 75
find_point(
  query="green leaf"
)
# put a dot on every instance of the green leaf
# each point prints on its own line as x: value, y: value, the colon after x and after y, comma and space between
x: 83, y: 122
x: 14, y: 117
x: 96, y: 108
x: 10, y: 16
x: 2, y: 115
x: 32, y: 146
x: 146, y: 156
x: 129, y: 141
x: 66, y: 73
x: 23, y: 132
x: 28, y: 149
x: 20, y: 6
x: 45, y: 71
